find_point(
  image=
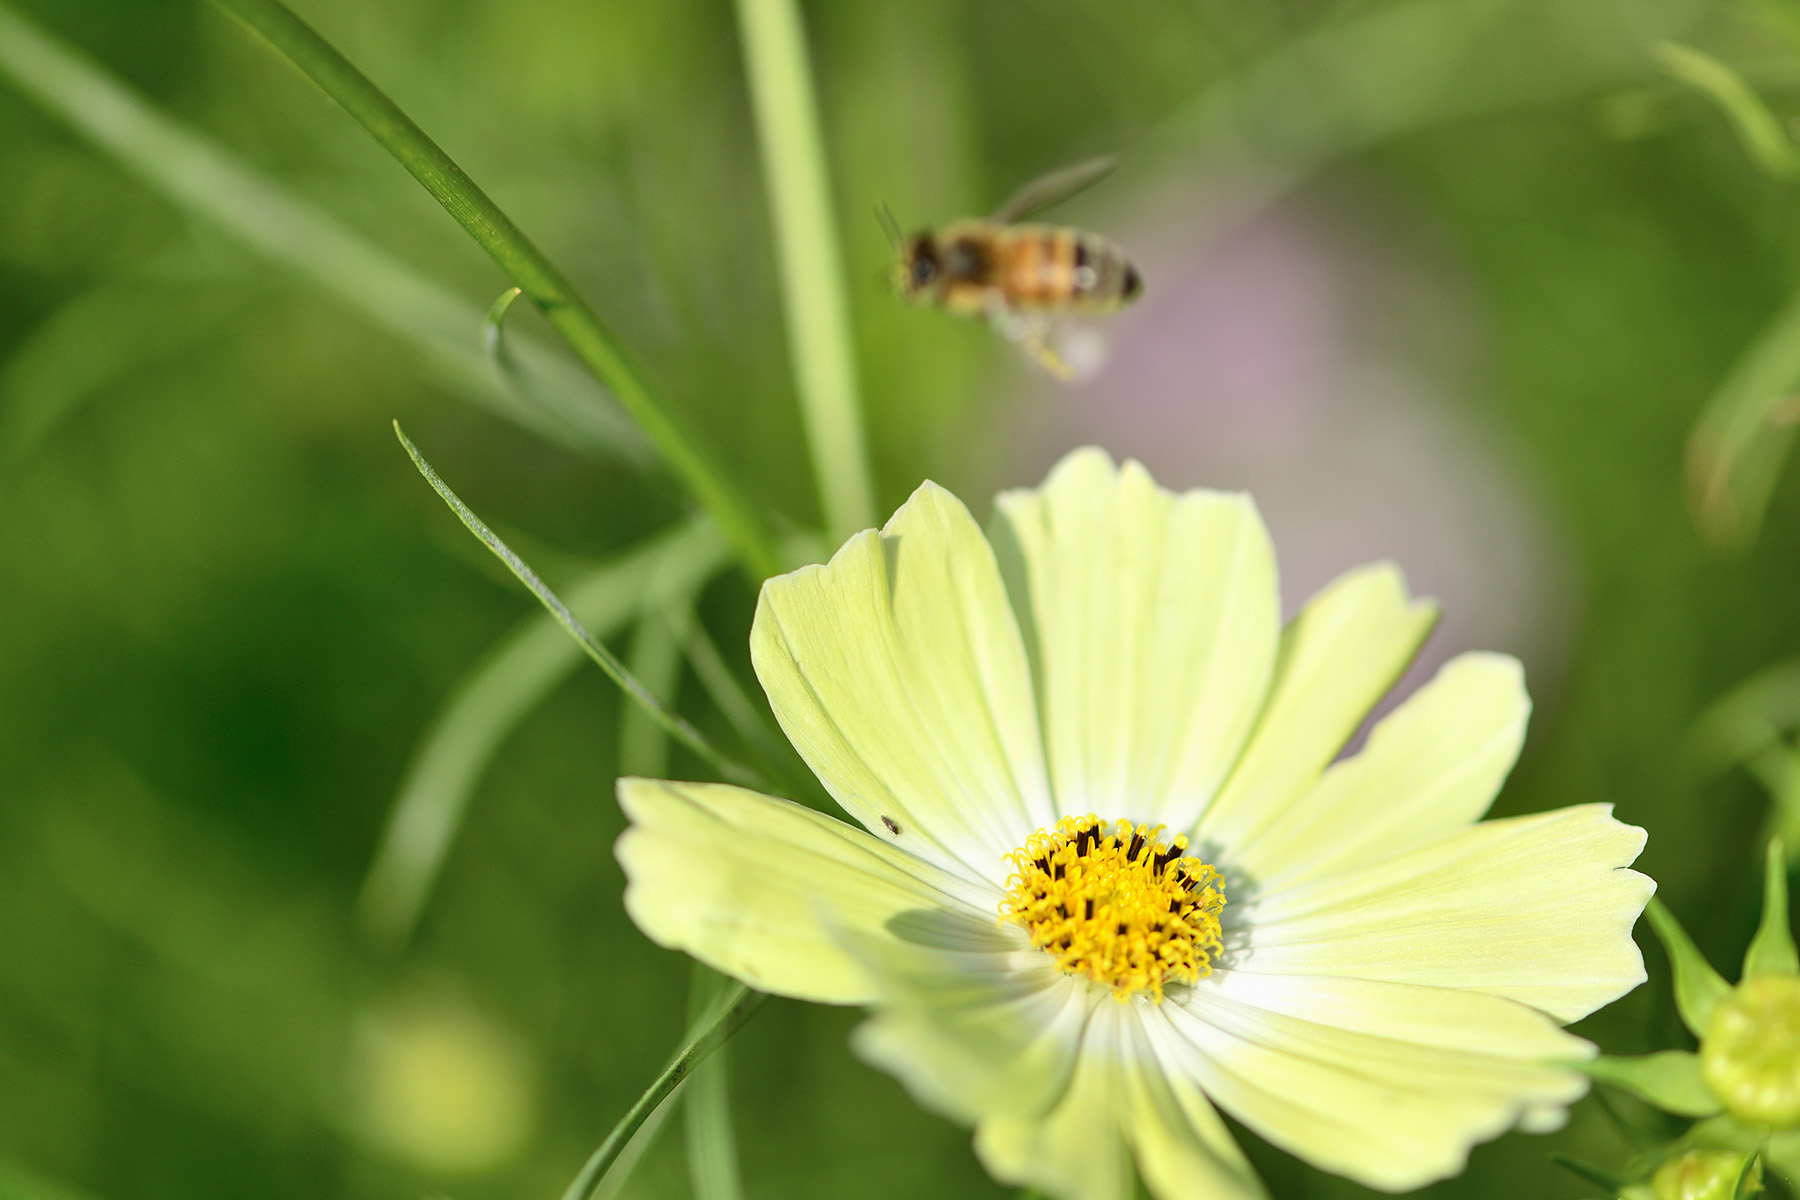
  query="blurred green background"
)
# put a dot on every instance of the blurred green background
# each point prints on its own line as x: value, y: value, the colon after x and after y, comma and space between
x: 229, y: 608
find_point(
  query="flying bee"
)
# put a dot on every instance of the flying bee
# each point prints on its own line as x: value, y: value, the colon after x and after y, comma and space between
x: 1019, y: 278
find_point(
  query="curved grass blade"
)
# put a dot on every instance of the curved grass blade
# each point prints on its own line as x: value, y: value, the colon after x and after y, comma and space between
x: 711, y: 1147
x: 1594, y: 1175
x: 100, y: 338
x: 730, y: 1009
x: 740, y: 712
x: 580, y: 326
x: 656, y: 660
x: 615, y: 670
x: 1755, y: 724
x: 1376, y: 73
x: 253, y: 210
x: 510, y: 681
x: 1742, y: 438
x: 493, y: 333
x: 1758, y: 129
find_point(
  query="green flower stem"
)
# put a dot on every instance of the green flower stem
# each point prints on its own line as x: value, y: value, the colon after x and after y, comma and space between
x: 812, y: 262
x: 595, y: 344
x: 734, y: 1006
x: 670, y: 722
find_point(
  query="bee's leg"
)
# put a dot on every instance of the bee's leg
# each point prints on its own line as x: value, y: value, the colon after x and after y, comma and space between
x: 1029, y: 331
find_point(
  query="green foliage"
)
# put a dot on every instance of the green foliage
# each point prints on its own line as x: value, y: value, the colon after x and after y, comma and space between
x: 233, y: 626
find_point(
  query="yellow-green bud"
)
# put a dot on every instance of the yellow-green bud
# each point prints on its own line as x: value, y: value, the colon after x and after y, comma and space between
x: 1750, y: 1056
x: 1704, y: 1175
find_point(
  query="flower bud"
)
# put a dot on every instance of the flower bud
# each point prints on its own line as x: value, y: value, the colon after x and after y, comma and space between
x: 1704, y: 1175
x: 1750, y: 1056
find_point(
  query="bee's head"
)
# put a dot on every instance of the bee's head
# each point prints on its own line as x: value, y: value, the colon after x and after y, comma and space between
x: 918, y: 267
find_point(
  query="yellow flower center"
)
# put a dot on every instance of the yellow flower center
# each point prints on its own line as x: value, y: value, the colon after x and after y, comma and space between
x: 1117, y: 904
x: 1750, y: 1056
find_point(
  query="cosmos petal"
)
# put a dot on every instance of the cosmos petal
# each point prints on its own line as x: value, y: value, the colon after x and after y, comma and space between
x: 1393, y: 1109
x: 1075, y: 1150
x: 1538, y: 909
x: 898, y: 672
x: 1184, y: 1151
x: 970, y: 1033
x: 766, y: 891
x: 1337, y: 659
x: 1152, y: 620
x: 1431, y: 766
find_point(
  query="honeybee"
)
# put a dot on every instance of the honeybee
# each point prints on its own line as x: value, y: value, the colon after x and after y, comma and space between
x: 1019, y: 278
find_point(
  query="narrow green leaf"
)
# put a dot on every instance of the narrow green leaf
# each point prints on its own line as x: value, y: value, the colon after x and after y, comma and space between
x: 581, y: 327
x: 1772, y: 949
x: 1350, y: 82
x: 1749, y: 719
x: 1749, y: 1181
x: 812, y: 263
x: 493, y: 338
x: 733, y: 1006
x: 1736, y: 449
x: 1782, y: 1153
x: 711, y: 1147
x: 100, y: 339
x: 1757, y: 128
x: 1594, y: 1175
x: 1669, y: 1079
x: 271, y: 221
x: 615, y: 670
x: 1697, y: 986
x: 656, y: 659
x: 506, y: 685
x: 746, y: 719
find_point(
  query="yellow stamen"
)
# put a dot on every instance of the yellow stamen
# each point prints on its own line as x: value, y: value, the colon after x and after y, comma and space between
x: 1117, y: 904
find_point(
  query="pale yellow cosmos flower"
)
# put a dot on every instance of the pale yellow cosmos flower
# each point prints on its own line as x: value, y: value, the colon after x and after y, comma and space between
x: 1105, y: 873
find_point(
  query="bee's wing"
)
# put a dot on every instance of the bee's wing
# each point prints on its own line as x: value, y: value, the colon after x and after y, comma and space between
x: 884, y: 216
x: 1053, y: 188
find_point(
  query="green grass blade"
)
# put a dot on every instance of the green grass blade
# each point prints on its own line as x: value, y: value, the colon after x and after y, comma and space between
x: 811, y: 260
x: 730, y: 698
x: 96, y: 341
x: 511, y: 681
x: 1748, y: 720
x: 1758, y: 129
x: 1591, y: 1174
x: 1741, y: 440
x: 656, y: 659
x: 266, y: 218
x: 706, y: 1102
x: 493, y: 332
x: 733, y: 1006
x: 591, y: 340
x: 605, y: 659
x: 1379, y: 72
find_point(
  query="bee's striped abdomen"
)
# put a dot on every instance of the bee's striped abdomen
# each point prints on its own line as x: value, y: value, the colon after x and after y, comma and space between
x: 1103, y: 277
x: 1059, y: 268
